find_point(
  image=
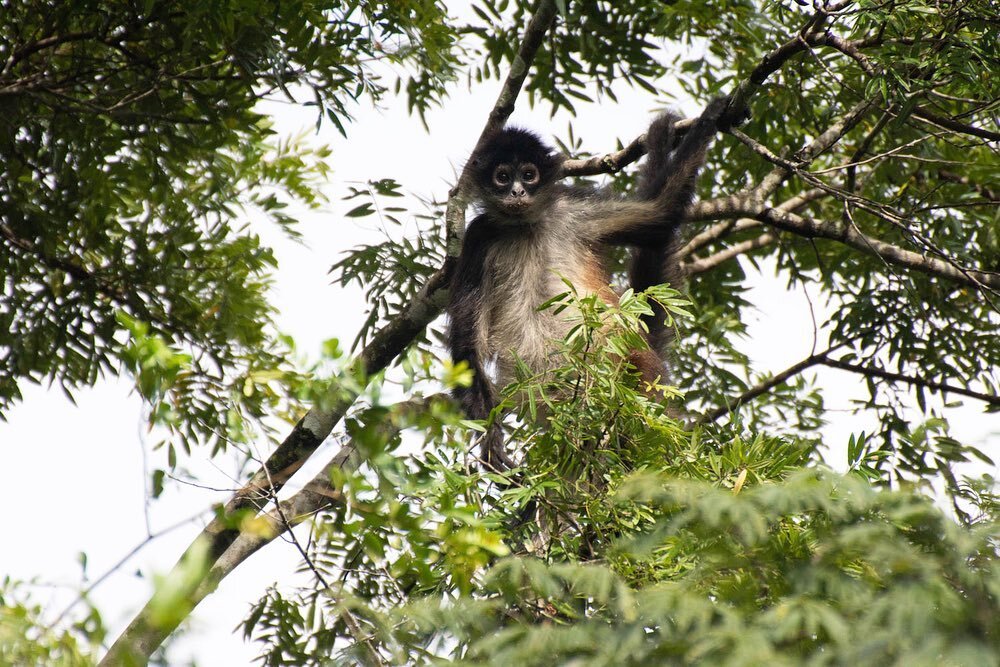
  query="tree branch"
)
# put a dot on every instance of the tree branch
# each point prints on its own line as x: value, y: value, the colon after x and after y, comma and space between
x: 810, y: 34
x: 849, y: 235
x: 965, y: 180
x: 736, y: 225
x: 708, y: 263
x: 317, y: 495
x: 869, y: 371
x: 806, y: 154
x: 612, y: 163
x: 823, y: 358
x: 954, y: 125
x: 764, y: 387
x: 143, y: 635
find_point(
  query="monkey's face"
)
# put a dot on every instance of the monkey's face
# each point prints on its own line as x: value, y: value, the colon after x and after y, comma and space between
x: 514, y: 173
x: 513, y: 186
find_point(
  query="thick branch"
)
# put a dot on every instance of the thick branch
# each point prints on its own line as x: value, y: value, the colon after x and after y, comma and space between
x: 317, y: 495
x: 612, y: 163
x: 45, y: 43
x: 849, y: 49
x: 314, y: 497
x: 704, y: 264
x: 808, y: 35
x: 142, y: 636
x: 734, y: 225
x: 955, y: 126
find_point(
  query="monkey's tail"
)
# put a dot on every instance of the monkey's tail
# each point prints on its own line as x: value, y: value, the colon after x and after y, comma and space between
x: 654, y: 265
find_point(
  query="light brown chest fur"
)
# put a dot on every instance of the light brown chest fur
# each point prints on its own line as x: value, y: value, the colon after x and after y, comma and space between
x: 522, y: 274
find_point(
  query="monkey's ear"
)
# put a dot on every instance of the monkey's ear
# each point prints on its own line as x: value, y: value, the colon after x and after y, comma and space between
x: 552, y: 167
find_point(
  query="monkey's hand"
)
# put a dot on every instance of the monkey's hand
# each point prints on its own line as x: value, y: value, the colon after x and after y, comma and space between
x: 731, y: 114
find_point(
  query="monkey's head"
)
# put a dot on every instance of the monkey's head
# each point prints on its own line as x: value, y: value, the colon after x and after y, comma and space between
x: 513, y: 172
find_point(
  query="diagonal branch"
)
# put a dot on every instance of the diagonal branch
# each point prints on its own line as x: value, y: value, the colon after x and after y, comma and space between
x: 805, y: 155
x: 703, y: 264
x: 317, y: 495
x: 612, y: 163
x: 734, y: 225
x: 765, y: 386
x: 849, y: 234
x: 823, y: 359
x: 810, y: 34
x: 869, y: 371
x: 892, y: 254
x: 954, y: 125
x: 143, y: 635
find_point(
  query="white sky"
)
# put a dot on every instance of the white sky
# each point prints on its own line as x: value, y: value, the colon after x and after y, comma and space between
x: 75, y: 474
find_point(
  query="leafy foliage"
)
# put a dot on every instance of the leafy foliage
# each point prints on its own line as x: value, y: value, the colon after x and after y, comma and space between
x: 25, y: 640
x: 393, y: 271
x: 133, y: 155
x: 658, y: 545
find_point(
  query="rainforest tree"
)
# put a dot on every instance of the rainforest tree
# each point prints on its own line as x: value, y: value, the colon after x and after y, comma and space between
x: 133, y: 144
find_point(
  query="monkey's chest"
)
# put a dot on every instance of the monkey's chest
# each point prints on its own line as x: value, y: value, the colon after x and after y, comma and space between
x: 520, y: 277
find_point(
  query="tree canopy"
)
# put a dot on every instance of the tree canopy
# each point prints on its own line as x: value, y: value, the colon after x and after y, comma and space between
x: 133, y: 149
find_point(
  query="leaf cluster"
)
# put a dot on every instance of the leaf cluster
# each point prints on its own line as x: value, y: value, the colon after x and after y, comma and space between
x: 133, y: 154
x: 644, y: 544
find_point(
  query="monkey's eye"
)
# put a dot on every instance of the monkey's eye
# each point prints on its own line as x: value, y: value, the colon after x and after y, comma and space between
x: 501, y: 176
x: 529, y: 175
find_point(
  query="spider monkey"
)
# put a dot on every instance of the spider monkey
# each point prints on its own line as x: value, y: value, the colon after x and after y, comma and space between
x: 533, y: 231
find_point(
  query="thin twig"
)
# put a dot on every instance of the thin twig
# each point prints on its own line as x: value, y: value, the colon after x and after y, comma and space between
x: 990, y: 399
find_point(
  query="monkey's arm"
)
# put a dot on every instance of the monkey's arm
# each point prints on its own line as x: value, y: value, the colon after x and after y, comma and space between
x: 653, y: 263
x: 464, y: 310
x: 667, y: 184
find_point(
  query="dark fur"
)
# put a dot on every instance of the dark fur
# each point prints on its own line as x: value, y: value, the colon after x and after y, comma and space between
x: 566, y: 230
x: 467, y: 301
x: 654, y: 263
